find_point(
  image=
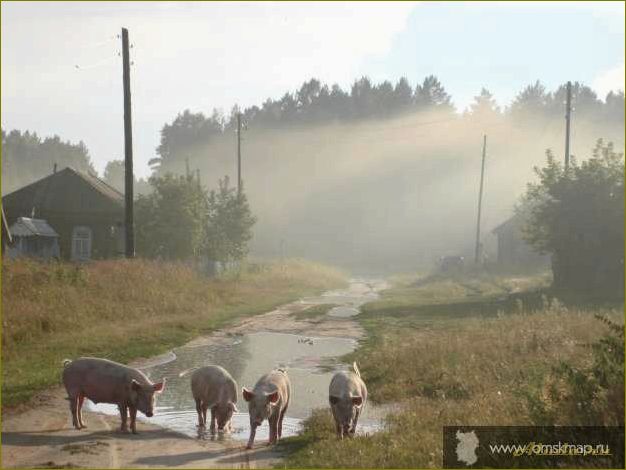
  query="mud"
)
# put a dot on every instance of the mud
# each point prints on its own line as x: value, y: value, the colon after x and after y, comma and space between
x: 43, y: 437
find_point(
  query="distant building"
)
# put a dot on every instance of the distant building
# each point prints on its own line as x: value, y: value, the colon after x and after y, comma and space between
x: 513, y: 250
x: 33, y: 238
x: 85, y: 212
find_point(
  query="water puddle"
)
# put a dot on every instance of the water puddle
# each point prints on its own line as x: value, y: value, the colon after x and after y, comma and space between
x: 249, y: 356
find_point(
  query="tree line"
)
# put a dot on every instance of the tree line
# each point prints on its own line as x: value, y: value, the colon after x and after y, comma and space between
x: 317, y: 103
x: 26, y: 157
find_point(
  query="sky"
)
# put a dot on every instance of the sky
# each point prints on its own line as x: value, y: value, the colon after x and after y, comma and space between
x: 61, y: 73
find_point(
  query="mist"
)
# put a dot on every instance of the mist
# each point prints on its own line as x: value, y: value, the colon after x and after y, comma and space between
x: 390, y: 194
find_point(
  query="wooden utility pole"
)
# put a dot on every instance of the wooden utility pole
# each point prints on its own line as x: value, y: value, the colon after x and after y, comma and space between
x: 239, y: 152
x: 568, y: 115
x: 128, y: 150
x: 480, y: 202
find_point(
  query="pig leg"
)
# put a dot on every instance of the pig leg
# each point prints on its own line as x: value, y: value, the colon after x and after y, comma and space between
x: 133, y: 419
x: 356, y: 419
x: 74, y: 410
x: 79, y: 410
x: 273, y: 420
x: 280, y: 422
x: 204, y: 410
x: 124, y: 415
x: 338, y: 427
x: 252, y: 434
x: 201, y: 422
x: 213, y: 420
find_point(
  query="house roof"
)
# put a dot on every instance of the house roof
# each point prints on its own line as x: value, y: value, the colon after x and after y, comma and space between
x: 60, y: 192
x: 27, y: 227
x: 98, y: 184
x: 510, y: 223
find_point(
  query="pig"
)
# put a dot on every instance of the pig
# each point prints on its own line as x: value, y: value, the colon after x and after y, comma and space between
x: 269, y: 399
x: 213, y: 388
x: 104, y: 381
x: 347, y: 395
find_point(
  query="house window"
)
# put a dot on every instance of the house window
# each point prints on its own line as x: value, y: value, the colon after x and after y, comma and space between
x: 81, y: 244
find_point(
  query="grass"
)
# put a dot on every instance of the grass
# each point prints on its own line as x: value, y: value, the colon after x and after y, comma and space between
x: 462, y: 352
x: 314, y: 312
x: 124, y: 310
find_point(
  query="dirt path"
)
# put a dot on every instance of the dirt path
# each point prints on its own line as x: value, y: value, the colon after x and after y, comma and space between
x: 42, y: 436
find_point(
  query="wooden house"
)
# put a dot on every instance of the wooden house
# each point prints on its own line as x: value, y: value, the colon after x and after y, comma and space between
x: 86, y: 213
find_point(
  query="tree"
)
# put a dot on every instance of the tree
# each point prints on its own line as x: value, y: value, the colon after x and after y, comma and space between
x: 432, y: 95
x: 614, y: 107
x: 185, y: 137
x: 585, y: 102
x: 114, y: 174
x: 402, y: 95
x: 362, y: 98
x: 484, y: 106
x: 171, y: 220
x: 530, y: 103
x: 577, y: 215
x: 229, y: 224
x: 27, y: 158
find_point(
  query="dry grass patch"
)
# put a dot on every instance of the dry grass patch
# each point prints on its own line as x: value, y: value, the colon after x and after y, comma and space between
x: 448, y: 364
x: 124, y: 310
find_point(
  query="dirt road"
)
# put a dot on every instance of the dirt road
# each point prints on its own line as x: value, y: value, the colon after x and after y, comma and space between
x: 42, y: 436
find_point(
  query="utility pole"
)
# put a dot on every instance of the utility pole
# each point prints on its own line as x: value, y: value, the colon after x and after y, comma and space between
x: 480, y: 202
x: 568, y: 115
x: 239, y: 152
x: 128, y: 150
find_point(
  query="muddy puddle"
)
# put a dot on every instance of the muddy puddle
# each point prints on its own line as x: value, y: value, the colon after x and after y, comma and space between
x: 309, y: 360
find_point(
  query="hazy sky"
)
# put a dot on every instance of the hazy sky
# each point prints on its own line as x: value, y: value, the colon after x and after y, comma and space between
x: 61, y: 73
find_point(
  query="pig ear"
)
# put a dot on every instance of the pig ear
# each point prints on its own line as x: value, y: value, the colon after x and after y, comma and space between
x: 333, y: 400
x: 247, y: 394
x: 158, y: 387
x: 135, y: 385
x: 272, y: 397
x: 358, y: 401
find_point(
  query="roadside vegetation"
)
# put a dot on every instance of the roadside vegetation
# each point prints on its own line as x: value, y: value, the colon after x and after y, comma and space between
x: 483, y: 350
x: 124, y: 310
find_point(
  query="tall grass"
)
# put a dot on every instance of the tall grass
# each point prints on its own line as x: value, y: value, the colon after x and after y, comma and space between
x: 123, y: 310
x: 447, y: 363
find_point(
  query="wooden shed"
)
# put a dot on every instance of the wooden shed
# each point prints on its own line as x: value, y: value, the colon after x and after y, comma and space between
x: 33, y: 238
x: 513, y: 250
x: 86, y: 213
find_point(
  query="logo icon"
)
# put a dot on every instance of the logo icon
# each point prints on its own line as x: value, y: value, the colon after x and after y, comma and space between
x: 466, y: 447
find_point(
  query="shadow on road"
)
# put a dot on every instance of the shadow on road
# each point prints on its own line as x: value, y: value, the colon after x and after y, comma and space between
x: 54, y: 438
